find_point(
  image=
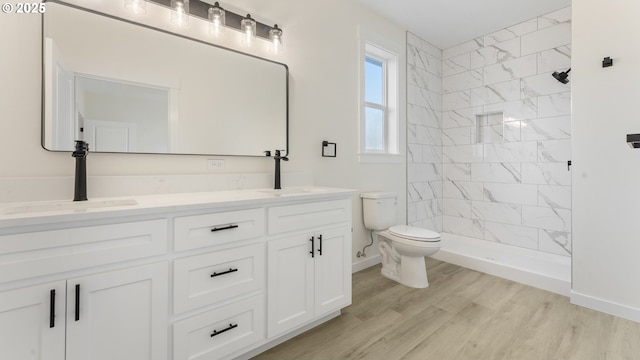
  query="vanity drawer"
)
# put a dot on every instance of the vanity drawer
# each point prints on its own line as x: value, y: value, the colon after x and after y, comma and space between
x: 205, y: 279
x: 306, y: 216
x: 220, y: 332
x: 193, y: 232
x: 34, y: 254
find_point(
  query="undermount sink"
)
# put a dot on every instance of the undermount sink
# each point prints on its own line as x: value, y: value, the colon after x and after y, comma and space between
x: 65, y: 206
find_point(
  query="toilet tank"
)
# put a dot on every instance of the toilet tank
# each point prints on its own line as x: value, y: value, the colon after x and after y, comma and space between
x: 379, y: 210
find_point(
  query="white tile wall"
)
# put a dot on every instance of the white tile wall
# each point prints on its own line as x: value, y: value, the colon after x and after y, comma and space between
x: 545, y: 173
x: 496, y: 53
x: 546, y: 218
x: 509, y: 70
x: 554, y: 59
x: 511, y: 32
x: 515, y: 110
x: 463, y: 190
x: 511, y: 152
x: 554, y: 105
x: 456, y: 65
x: 547, y: 38
x: 554, y: 151
x: 537, y: 85
x: 557, y: 242
x: 462, y: 48
x: 553, y: 128
x: 463, y: 226
x: 555, y: 18
x: 496, y: 93
x: 497, y: 212
x: 511, y: 193
x: 496, y: 172
x: 511, y: 234
x: 458, y: 207
x: 424, y: 132
x: 512, y: 187
x: 457, y: 171
x: 463, y: 81
x: 459, y: 117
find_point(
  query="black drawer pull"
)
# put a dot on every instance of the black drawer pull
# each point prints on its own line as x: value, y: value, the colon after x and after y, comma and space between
x: 216, y: 332
x: 224, y: 228
x: 224, y: 272
x: 77, y: 302
x: 313, y: 246
x: 320, y: 248
x: 52, y: 308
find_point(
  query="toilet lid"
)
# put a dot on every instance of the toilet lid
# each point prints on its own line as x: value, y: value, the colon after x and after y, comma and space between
x: 414, y: 233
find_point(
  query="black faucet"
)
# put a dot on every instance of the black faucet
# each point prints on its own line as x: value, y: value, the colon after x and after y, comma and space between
x: 80, y: 191
x: 277, y: 157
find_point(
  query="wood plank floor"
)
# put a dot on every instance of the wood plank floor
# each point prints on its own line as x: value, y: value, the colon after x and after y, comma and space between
x: 463, y: 315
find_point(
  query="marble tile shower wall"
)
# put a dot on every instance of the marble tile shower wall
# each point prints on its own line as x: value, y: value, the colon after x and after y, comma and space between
x: 506, y: 137
x: 424, y: 134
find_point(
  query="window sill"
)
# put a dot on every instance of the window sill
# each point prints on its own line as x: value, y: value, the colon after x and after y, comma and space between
x: 368, y: 158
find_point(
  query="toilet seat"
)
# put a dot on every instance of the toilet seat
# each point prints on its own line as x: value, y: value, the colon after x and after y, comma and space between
x: 414, y: 233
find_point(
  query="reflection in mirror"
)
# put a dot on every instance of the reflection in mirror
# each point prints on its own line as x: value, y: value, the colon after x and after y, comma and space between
x: 124, y: 87
x: 110, y: 114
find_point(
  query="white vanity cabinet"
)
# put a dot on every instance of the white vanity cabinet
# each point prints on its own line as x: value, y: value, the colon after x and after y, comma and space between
x: 84, y: 315
x: 211, y: 276
x: 113, y: 315
x: 32, y: 322
x: 226, y: 280
x: 119, y: 314
x: 309, y: 265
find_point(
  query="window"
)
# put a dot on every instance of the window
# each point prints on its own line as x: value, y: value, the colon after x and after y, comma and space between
x: 375, y: 104
x: 379, y: 116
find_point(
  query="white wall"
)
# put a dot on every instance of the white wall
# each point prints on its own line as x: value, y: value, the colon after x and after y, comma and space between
x: 321, y: 49
x: 606, y: 192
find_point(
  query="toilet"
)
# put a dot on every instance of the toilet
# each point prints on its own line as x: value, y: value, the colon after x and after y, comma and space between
x: 401, y: 247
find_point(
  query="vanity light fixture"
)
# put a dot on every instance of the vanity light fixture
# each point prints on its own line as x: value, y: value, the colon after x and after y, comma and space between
x: 136, y: 6
x: 221, y: 19
x: 275, y: 35
x: 180, y: 13
x: 217, y: 18
x: 248, y: 28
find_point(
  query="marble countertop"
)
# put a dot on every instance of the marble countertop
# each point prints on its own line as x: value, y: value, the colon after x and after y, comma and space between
x: 36, y: 213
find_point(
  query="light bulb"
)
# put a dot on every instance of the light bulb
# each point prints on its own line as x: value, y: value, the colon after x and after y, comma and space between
x: 180, y: 13
x: 248, y: 28
x: 136, y: 6
x: 217, y: 19
x: 275, y: 35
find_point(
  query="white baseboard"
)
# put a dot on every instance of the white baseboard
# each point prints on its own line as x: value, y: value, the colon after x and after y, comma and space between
x: 368, y: 262
x: 605, y: 306
x: 538, y: 269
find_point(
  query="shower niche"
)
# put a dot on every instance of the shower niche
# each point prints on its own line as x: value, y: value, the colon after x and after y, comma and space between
x: 493, y: 128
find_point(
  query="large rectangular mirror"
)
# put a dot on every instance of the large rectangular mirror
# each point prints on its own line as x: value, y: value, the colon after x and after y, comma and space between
x: 125, y: 87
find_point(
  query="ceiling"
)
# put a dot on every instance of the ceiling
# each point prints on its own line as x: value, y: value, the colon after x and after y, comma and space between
x: 445, y: 23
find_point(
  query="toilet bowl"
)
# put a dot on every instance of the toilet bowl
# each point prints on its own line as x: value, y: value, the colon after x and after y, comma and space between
x: 401, y: 247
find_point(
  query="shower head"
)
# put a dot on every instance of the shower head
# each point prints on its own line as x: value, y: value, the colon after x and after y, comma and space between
x: 563, y: 77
